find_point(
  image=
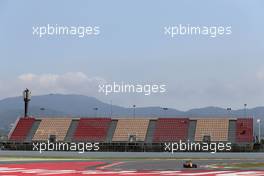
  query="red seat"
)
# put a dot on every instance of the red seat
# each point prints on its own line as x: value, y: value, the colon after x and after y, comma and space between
x: 244, y: 130
x: 171, y: 130
x: 22, y: 129
x: 92, y: 129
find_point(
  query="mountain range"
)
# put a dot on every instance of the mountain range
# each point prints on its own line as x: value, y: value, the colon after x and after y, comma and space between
x: 57, y: 105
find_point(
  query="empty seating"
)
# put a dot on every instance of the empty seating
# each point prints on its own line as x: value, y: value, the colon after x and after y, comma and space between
x: 171, y: 130
x: 52, y: 127
x: 130, y: 127
x: 213, y: 129
x: 92, y: 129
x: 232, y: 131
x: 22, y: 129
x: 133, y: 130
x: 244, y: 130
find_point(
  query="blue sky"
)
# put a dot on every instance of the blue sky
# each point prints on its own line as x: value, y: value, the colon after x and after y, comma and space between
x: 198, y: 71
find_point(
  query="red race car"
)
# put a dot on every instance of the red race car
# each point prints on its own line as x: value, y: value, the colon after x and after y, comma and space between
x: 189, y: 164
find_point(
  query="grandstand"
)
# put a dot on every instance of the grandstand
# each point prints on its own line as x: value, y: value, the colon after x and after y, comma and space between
x: 92, y: 129
x: 244, y: 132
x: 171, y: 130
x: 143, y: 134
x: 130, y: 127
x: 21, y: 129
x: 216, y: 129
x: 52, y: 126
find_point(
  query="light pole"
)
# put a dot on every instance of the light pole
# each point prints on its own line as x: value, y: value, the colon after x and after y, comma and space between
x: 165, y: 109
x: 111, y: 109
x: 134, y: 111
x: 96, y: 109
x: 259, y: 121
x: 245, y: 110
x: 229, y: 111
x: 42, y: 110
x: 27, y: 97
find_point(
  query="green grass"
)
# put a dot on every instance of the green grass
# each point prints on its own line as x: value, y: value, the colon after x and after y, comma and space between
x: 243, y: 165
x: 249, y: 165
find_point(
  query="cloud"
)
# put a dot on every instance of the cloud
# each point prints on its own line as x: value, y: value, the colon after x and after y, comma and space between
x: 27, y: 77
x: 45, y: 80
x: 260, y: 75
x: 70, y: 82
x: 233, y: 92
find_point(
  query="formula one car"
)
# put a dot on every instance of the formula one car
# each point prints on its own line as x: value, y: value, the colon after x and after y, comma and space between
x: 189, y: 164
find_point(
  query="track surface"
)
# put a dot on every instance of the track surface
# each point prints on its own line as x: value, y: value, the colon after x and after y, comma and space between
x: 191, y: 155
x: 24, y: 163
x: 118, y: 167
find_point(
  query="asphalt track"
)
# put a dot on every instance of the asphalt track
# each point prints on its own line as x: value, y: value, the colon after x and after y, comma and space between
x: 29, y: 163
x: 177, y: 155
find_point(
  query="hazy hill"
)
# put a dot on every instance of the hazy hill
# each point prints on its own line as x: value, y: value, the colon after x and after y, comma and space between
x: 79, y: 105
